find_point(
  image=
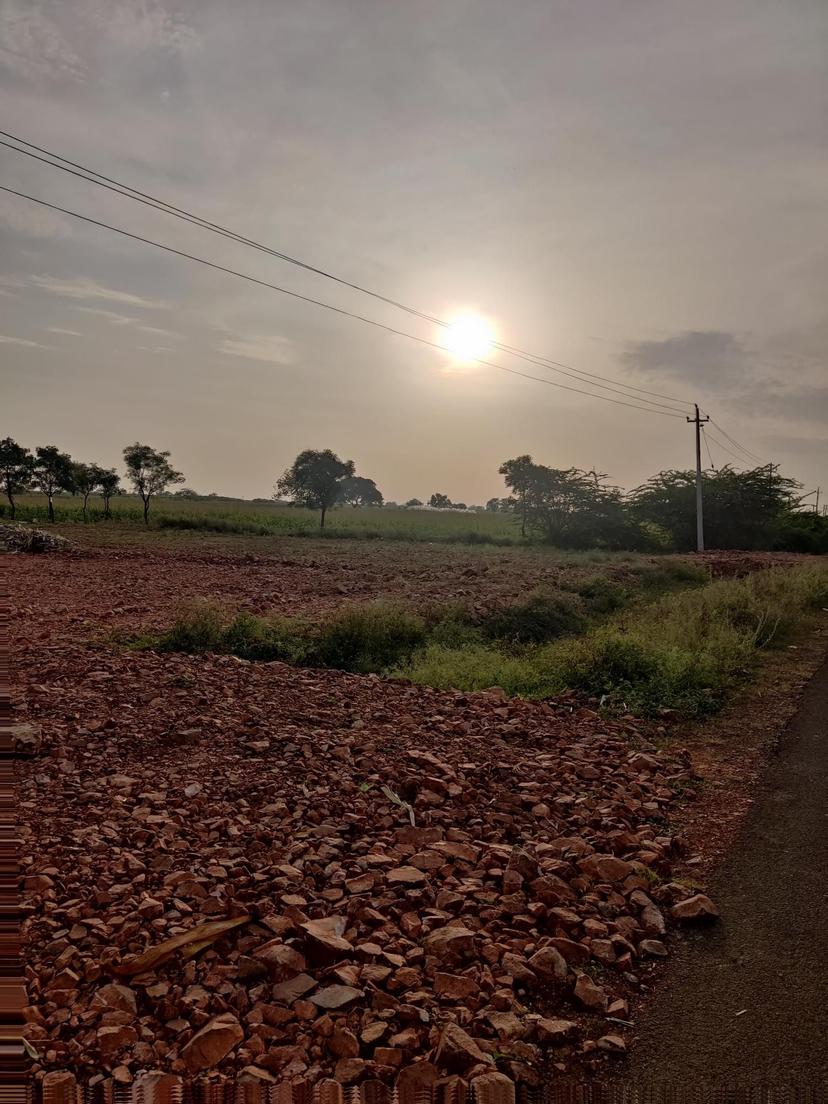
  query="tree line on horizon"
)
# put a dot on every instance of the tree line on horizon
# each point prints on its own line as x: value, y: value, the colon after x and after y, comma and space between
x: 568, y: 508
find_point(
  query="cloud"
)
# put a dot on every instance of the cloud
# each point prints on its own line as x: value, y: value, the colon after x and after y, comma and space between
x: 154, y: 348
x: 81, y: 288
x: 159, y: 331
x: 60, y: 330
x: 33, y: 222
x: 46, y: 40
x: 33, y: 45
x: 110, y: 316
x: 271, y: 350
x: 5, y: 340
x: 705, y: 357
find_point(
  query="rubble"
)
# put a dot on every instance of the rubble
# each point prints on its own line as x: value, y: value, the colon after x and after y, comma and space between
x: 251, y: 901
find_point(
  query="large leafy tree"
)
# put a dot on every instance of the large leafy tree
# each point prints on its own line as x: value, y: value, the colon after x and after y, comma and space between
x: 150, y: 473
x: 440, y: 501
x: 356, y: 490
x: 518, y: 475
x: 742, y: 509
x: 16, y: 463
x: 109, y: 483
x: 315, y: 480
x: 569, y: 507
x: 86, y: 478
x: 53, y: 472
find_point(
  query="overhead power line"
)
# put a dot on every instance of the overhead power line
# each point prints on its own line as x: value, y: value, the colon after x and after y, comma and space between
x: 735, y: 443
x: 724, y: 448
x: 321, y: 303
x: 92, y: 176
x: 707, y: 446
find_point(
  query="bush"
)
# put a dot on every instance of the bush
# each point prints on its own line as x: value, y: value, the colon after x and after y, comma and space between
x: 681, y: 653
x: 371, y: 637
x: 601, y: 595
x: 544, y: 616
x: 199, y: 627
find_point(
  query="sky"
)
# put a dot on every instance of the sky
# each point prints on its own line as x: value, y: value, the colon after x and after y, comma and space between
x: 636, y: 190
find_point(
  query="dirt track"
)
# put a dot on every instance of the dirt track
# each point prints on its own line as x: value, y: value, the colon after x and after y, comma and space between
x: 747, y: 1003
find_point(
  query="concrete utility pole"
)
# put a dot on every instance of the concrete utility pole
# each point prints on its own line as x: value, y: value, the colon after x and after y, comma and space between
x: 698, y: 421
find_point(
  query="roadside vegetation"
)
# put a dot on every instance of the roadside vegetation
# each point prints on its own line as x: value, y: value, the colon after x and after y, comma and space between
x: 667, y: 639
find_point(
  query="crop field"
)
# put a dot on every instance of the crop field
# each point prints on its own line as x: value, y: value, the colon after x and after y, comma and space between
x: 229, y: 515
x: 369, y: 810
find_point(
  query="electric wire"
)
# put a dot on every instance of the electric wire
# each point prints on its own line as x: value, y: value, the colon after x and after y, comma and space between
x: 735, y: 443
x: 322, y: 304
x: 707, y: 446
x: 724, y: 448
x: 128, y: 192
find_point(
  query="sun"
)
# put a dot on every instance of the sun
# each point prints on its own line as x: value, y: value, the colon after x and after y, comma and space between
x: 468, y: 337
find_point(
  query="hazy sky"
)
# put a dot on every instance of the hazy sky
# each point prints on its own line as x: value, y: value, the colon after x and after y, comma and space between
x: 636, y: 189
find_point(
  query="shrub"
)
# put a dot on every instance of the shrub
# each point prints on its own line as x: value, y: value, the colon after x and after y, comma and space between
x: 199, y: 627
x: 371, y: 637
x: 544, y: 616
x: 601, y: 595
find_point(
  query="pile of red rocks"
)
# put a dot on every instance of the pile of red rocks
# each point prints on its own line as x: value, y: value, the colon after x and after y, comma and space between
x: 507, y: 928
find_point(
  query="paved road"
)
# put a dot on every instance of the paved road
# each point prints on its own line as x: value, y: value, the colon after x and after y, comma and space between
x: 769, y: 957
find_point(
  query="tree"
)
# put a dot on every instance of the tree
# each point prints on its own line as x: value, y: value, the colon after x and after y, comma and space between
x: 16, y: 463
x: 315, y: 480
x: 574, y: 509
x: 746, y: 509
x: 356, y: 490
x: 186, y: 492
x: 412, y: 502
x: 85, y: 479
x: 150, y: 472
x: 52, y: 474
x: 440, y: 501
x: 109, y: 482
x: 518, y: 475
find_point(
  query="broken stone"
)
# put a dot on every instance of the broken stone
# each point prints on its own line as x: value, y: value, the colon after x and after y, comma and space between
x: 336, y: 996
x: 698, y: 909
x: 212, y: 1043
x: 589, y: 994
x: 457, y: 1050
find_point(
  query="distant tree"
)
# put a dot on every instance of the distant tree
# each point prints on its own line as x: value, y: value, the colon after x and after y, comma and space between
x: 150, y: 473
x: 742, y: 509
x: 391, y: 505
x: 85, y: 479
x: 52, y: 474
x: 500, y: 505
x: 186, y: 492
x: 413, y: 502
x: 16, y: 463
x: 460, y: 506
x: 356, y: 490
x: 518, y: 475
x: 440, y: 501
x: 315, y: 480
x: 109, y: 482
x: 574, y: 509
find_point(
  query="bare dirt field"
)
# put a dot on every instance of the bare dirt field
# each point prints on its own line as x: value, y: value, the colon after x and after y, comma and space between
x: 426, y: 882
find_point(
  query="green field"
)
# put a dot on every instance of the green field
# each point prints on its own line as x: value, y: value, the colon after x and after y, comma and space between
x: 232, y: 515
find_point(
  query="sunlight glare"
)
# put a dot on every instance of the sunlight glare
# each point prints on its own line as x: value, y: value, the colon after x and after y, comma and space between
x: 468, y: 337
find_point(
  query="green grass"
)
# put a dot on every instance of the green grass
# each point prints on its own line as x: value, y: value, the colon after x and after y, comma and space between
x: 381, y: 636
x: 681, y: 653
x: 224, y: 515
x: 654, y: 638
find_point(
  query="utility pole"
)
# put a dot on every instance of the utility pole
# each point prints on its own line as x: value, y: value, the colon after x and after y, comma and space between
x: 698, y: 421
x: 816, y: 504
